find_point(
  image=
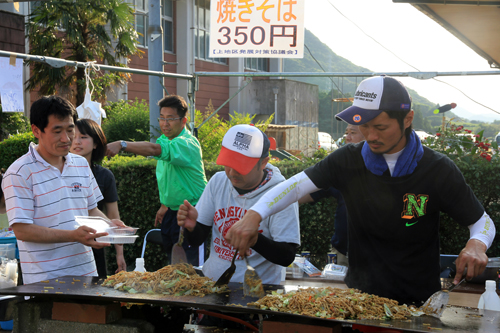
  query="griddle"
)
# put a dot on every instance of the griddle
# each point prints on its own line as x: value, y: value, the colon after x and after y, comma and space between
x: 454, y: 319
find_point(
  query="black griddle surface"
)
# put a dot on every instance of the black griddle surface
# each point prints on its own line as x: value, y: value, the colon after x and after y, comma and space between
x: 454, y: 319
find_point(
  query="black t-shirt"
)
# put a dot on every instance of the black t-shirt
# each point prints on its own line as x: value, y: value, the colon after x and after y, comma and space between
x: 394, y: 221
x: 106, y: 181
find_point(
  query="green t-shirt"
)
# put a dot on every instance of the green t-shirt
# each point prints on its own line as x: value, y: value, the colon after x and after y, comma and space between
x: 180, y: 172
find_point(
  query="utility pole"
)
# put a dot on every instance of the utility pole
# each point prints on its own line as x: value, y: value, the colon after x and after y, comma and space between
x: 155, y: 63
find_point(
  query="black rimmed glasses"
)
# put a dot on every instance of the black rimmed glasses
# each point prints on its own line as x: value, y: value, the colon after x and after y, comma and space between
x: 168, y: 120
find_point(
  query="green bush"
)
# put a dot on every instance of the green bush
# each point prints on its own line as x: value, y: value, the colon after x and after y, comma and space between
x: 211, y: 133
x: 12, y: 123
x: 479, y: 161
x: 138, y: 203
x: 14, y: 147
x: 126, y: 121
x: 138, y: 208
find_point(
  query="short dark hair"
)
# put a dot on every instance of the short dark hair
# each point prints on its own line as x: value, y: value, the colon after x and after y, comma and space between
x: 92, y: 129
x: 400, y: 117
x: 176, y: 102
x: 46, y: 106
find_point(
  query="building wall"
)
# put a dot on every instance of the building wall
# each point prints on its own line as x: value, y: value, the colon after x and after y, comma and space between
x: 297, y: 104
x: 215, y: 89
x: 302, y: 106
x: 138, y: 87
x: 11, y: 32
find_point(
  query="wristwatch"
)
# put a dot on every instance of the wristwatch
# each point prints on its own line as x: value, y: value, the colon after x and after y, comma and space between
x: 123, y: 144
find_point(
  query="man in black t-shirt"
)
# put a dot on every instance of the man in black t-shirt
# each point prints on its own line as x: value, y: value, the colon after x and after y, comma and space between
x: 394, y: 189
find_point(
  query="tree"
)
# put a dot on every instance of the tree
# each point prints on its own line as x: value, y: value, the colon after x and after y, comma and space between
x: 84, y: 31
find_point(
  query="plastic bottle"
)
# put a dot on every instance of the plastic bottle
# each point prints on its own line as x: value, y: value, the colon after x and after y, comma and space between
x: 139, y: 265
x: 489, y: 299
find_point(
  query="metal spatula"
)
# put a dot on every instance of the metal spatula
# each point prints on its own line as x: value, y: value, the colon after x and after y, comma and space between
x: 435, y: 305
x: 178, y: 253
x: 228, y: 274
x: 252, y: 284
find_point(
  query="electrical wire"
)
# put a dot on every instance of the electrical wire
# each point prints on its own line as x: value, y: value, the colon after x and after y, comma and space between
x: 394, y: 54
x: 338, y: 89
x: 466, y: 95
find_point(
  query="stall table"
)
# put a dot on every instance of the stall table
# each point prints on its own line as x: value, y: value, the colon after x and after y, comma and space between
x: 455, y: 318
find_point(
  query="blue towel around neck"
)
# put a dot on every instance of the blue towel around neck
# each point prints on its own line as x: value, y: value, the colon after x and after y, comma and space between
x: 407, y: 161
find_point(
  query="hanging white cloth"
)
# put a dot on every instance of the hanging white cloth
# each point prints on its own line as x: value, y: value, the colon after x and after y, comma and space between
x: 89, y: 109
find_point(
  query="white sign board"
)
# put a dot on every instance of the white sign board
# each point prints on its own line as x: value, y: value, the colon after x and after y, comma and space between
x: 257, y: 29
x: 11, y: 85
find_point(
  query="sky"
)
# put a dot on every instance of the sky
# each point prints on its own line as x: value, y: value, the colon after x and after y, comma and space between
x: 414, y: 38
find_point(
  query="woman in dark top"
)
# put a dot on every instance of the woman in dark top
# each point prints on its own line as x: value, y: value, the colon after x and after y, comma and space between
x: 90, y: 142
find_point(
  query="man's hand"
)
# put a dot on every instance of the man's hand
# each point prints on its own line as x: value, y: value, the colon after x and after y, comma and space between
x: 87, y: 236
x: 187, y: 216
x: 473, y: 258
x: 113, y: 148
x: 118, y: 223
x: 120, y: 260
x: 159, y: 215
x: 243, y: 234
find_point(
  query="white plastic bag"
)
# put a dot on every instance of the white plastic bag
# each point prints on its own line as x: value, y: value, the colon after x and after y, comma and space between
x: 91, y: 110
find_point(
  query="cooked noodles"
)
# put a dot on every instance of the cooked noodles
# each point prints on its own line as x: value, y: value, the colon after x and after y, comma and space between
x: 335, y: 303
x: 179, y: 280
x: 254, y: 284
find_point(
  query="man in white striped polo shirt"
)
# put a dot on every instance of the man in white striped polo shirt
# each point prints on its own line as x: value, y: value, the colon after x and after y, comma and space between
x: 44, y: 190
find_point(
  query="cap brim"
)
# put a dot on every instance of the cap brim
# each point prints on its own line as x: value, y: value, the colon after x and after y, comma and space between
x: 239, y: 162
x: 354, y: 115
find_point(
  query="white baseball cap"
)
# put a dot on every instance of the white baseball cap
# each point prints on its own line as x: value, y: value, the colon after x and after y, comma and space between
x: 242, y: 147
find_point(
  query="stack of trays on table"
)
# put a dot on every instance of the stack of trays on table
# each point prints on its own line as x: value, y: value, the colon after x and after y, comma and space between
x: 334, y: 272
x: 116, y: 235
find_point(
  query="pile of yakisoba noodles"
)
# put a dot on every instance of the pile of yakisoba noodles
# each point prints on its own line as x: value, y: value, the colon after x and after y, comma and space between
x: 178, y: 280
x: 335, y: 303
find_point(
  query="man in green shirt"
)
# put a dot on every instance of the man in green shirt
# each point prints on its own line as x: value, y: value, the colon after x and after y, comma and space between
x: 180, y: 172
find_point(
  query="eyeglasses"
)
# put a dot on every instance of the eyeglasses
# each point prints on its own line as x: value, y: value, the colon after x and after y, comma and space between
x: 168, y: 120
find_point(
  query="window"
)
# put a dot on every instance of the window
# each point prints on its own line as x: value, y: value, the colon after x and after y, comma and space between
x: 202, y: 31
x: 167, y: 11
x: 258, y: 64
x: 142, y: 22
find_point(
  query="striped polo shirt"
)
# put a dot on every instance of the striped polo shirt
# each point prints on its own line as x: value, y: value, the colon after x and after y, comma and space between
x: 37, y: 192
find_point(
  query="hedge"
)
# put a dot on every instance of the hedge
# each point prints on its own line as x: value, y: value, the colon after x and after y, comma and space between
x: 316, y: 221
x: 14, y: 147
x: 139, y: 202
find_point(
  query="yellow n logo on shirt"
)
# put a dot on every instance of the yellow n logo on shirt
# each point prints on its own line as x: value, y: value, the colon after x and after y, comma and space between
x: 415, y: 206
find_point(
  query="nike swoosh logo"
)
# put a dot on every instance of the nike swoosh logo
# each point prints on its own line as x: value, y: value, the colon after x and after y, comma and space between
x: 410, y: 224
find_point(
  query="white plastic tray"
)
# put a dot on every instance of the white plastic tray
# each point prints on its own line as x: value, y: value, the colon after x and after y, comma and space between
x: 100, y: 224
x: 334, y: 272
x: 113, y: 239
